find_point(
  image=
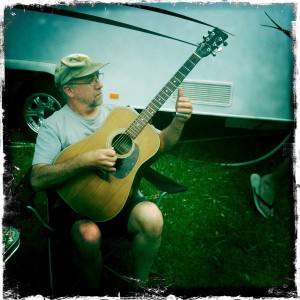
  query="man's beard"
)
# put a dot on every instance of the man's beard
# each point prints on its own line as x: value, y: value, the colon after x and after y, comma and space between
x: 95, y: 103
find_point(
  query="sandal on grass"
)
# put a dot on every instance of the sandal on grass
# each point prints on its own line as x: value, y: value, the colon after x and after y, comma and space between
x: 266, y: 209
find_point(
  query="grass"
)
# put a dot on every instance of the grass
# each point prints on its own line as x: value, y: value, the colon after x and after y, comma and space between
x: 214, y: 240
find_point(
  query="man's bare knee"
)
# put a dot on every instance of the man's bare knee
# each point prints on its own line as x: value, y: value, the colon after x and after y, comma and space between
x: 147, y: 219
x: 86, y: 238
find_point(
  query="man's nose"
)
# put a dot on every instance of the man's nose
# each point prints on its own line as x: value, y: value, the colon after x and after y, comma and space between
x: 98, y: 84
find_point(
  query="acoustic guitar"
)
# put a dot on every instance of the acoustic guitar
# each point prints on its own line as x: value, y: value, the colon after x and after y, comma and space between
x: 101, y: 195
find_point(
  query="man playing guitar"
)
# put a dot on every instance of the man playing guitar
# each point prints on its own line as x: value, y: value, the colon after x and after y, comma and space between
x: 77, y: 76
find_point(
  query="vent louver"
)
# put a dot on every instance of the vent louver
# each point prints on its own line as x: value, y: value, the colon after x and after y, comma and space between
x: 206, y: 92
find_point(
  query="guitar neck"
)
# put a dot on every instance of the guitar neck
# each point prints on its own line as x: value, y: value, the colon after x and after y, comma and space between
x: 164, y: 94
x: 208, y: 46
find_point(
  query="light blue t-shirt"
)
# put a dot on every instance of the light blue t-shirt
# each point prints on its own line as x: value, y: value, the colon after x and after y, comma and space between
x: 64, y: 128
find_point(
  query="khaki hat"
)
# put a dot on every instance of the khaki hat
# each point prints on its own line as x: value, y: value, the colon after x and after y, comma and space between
x: 75, y: 66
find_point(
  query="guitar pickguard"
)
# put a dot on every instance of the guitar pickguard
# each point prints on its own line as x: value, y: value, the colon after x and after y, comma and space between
x: 125, y: 165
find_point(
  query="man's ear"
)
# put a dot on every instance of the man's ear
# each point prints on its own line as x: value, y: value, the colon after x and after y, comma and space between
x: 68, y: 91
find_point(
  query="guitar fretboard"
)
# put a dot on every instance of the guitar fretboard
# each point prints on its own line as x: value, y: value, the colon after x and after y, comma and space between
x: 164, y: 94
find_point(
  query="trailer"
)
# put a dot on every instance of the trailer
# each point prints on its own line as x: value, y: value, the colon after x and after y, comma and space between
x: 248, y: 83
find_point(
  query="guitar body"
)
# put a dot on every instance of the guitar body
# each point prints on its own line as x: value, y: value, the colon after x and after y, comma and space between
x: 101, y: 195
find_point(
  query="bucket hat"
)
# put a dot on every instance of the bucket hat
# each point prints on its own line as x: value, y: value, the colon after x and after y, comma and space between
x: 75, y: 66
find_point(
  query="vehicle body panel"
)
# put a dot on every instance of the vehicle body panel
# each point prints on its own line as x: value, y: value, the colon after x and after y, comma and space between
x: 257, y: 63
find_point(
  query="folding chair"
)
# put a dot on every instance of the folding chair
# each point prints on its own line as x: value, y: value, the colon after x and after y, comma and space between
x: 164, y: 184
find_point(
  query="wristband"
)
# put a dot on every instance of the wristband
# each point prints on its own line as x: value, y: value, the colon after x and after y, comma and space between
x: 179, y: 115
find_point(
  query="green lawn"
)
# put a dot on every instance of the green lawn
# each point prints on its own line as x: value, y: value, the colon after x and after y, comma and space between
x: 214, y: 240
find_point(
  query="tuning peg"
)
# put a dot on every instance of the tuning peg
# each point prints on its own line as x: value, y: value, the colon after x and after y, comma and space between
x: 219, y: 49
x: 213, y: 53
x: 225, y: 43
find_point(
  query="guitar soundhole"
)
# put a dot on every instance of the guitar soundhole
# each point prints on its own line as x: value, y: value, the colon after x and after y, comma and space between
x: 122, y: 143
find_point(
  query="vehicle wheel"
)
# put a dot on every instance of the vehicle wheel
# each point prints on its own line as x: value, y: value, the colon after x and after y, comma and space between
x: 40, y: 102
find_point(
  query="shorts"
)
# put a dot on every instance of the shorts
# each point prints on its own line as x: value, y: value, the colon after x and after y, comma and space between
x: 63, y: 218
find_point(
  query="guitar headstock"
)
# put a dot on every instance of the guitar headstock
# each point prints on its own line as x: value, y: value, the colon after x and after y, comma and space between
x: 212, y: 43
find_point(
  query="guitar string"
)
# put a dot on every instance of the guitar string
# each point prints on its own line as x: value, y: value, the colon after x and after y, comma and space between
x: 140, y: 122
x: 135, y: 128
x: 169, y: 88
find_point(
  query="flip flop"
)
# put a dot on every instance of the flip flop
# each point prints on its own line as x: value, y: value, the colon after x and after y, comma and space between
x: 266, y: 209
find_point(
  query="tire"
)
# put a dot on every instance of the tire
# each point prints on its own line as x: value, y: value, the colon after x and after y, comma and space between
x: 39, y: 102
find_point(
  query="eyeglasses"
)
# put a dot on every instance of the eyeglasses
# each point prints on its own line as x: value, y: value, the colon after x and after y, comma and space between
x: 92, y: 80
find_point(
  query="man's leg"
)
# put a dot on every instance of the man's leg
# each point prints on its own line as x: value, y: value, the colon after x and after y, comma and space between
x: 146, y: 224
x: 270, y: 183
x: 87, y: 257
